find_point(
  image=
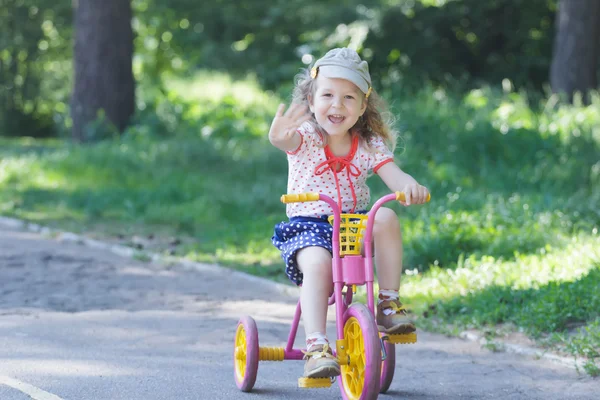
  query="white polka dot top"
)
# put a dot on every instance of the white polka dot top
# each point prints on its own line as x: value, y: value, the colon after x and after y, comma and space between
x: 312, y: 168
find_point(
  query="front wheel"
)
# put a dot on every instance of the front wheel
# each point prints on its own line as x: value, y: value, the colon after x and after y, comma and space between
x: 360, y: 378
x: 245, y: 354
x: 387, y: 367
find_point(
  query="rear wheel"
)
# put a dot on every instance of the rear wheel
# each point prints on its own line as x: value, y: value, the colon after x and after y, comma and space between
x: 245, y: 354
x: 360, y: 378
x: 387, y: 367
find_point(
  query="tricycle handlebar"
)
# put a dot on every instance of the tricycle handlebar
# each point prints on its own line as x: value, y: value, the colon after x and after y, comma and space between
x: 400, y: 196
x: 299, y: 198
x: 304, y: 197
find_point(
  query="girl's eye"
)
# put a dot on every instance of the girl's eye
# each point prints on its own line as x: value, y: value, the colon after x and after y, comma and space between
x: 327, y: 95
x: 350, y: 97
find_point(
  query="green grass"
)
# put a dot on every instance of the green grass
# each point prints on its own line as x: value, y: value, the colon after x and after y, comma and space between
x: 509, y: 238
x: 547, y: 292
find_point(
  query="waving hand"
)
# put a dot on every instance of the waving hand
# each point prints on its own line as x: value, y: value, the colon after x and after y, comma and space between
x: 283, y: 133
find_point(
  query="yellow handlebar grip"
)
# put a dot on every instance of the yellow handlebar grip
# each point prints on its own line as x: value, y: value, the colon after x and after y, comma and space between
x: 401, y: 197
x: 299, y: 198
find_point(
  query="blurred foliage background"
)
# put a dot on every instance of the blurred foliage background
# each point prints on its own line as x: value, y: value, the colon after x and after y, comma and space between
x: 510, y: 239
x: 407, y: 43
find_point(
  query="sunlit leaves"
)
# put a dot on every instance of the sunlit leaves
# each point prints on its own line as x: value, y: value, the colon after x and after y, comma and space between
x: 34, y: 40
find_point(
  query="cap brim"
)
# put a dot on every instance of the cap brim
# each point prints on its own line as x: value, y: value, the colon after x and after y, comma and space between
x: 334, y: 71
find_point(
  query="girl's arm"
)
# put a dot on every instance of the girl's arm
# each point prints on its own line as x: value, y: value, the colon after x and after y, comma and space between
x: 399, y: 181
x: 283, y: 133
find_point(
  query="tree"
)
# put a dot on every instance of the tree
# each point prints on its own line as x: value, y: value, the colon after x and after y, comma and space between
x: 575, y: 56
x: 104, y: 84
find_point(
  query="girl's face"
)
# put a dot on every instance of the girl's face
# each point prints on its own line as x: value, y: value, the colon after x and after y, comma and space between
x: 337, y: 105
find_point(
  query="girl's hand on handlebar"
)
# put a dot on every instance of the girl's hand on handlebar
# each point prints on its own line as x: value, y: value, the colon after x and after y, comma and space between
x: 415, y: 194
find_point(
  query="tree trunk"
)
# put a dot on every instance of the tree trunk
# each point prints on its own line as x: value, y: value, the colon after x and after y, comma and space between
x: 103, y: 65
x: 575, y: 58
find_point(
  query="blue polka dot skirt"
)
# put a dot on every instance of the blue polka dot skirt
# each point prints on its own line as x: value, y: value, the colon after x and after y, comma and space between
x: 298, y: 233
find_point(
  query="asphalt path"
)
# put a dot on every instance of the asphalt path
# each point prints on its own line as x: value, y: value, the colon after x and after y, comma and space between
x: 83, y: 323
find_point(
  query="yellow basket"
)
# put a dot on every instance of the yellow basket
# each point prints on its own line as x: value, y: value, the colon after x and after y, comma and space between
x: 352, y: 228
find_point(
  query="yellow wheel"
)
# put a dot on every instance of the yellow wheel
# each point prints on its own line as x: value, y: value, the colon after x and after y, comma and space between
x: 245, y: 354
x: 360, y: 377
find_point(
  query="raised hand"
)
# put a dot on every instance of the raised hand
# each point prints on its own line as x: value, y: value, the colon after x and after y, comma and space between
x: 283, y: 128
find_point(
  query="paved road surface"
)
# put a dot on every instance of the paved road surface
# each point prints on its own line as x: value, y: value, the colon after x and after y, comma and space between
x: 79, y: 323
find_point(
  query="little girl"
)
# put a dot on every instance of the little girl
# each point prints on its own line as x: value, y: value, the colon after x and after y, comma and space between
x: 332, y: 150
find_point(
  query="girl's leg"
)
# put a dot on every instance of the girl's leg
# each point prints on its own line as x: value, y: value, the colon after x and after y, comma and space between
x: 388, y: 249
x: 315, y: 264
x: 391, y: 316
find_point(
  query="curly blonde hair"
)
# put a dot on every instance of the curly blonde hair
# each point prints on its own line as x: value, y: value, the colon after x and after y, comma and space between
x: 377, y: 121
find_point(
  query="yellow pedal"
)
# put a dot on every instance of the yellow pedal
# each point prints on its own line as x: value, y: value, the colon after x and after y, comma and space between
x: 314, y: 383
x: 407, y: 338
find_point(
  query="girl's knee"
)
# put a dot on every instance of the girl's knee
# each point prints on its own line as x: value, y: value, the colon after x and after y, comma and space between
x: 315, y: 261
x: 386, y: 220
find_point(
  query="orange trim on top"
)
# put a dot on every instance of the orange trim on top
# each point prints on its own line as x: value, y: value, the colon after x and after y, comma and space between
x: 348, y: 157
x: 291, y: 153
x: 337, y: 164
x: 381, y: 164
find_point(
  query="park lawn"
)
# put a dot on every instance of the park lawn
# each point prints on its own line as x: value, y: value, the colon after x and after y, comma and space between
x: 508, y: 240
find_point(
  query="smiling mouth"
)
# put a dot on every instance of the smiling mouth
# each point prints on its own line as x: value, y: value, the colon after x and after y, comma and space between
x: 336, y: 119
